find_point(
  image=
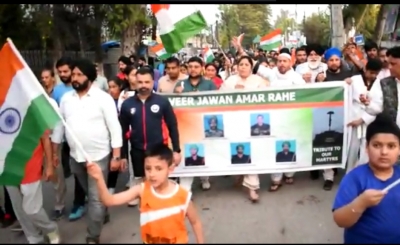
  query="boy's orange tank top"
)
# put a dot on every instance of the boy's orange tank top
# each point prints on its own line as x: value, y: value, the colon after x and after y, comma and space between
x: 162, y: 218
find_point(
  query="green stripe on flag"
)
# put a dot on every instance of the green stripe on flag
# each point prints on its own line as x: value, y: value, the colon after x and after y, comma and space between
x: 39, y: 117
x: 184, y: 29
x: 271, y: 46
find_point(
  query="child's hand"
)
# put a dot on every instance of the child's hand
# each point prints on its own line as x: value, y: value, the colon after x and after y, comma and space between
x: 94, y: 170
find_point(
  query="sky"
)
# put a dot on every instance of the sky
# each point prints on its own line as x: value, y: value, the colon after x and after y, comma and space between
x: 210, y: 10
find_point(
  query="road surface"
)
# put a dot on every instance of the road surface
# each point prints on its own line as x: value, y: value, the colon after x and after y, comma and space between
x: 300, y: 213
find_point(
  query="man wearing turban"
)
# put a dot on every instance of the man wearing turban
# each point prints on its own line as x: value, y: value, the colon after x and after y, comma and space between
x: 314, y: 65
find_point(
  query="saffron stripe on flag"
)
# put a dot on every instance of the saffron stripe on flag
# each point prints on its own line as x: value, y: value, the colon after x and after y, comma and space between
x: 271, y: 34
x: 9, y: 66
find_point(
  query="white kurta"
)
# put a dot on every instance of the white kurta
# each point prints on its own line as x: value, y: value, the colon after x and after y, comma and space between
x: 357, y: 111
x: 305, y: 68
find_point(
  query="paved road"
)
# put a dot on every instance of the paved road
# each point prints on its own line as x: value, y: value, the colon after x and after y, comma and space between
x: 296, y: 214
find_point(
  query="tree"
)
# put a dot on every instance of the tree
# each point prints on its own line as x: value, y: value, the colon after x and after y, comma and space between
x: 364, y: 17
x: 253, y: 20
x: 130, y: 21
x: 14, y: 25
x: 235, y: 19
x: 380, y: 23
x: 229, y: 24
x: 316, y: 28
x: 284, y: 22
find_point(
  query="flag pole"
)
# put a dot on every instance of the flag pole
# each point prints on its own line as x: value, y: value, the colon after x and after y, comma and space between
x: 37, y: 83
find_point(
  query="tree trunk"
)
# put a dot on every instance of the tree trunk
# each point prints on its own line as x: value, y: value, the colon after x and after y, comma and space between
x: 131, y: 39
x: 80, y: 40
x: 366, y: 8
x: 380, y: 23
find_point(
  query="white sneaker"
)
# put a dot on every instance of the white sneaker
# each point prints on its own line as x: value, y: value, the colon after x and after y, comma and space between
x: 54, y: 237
x: 205, y: 184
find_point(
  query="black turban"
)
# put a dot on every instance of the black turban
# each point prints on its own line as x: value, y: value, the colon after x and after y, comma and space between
x: 87, y: 68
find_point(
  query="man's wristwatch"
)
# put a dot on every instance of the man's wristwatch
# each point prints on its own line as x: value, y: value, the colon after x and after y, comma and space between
x: 116, y: 158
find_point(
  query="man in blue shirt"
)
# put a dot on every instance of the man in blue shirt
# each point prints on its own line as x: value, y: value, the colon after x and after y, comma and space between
x: 368, y: 212
x: 63, y: 67
x: 64, y: 71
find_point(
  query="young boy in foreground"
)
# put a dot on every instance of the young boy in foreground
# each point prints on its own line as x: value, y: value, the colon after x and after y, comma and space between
x: 164, y: 205
x: 367, y: 203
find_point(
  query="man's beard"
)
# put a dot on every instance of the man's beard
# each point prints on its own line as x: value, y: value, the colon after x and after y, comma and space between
x: 143, y: 91
x: 282, y: 70
x: 194, y: 77
x: 314, y: 63
x: 333, y: 69
x: 65, y: 80
x: 79, y: 87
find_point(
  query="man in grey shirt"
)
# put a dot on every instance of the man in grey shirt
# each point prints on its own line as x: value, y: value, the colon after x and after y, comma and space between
x: 100, y: 81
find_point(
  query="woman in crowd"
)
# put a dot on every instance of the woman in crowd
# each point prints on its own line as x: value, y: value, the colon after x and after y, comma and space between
x: 114, y: 89
x: 184, y: 69
x: 244, y: 79
x: 129, y: 88
x: 211, y: 74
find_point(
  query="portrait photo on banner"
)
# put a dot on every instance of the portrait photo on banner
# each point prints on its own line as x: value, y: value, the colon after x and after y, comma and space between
x: 194, y: 155
x: 240, y: 153
x: 260, y: 124
x: 328, y: 135
x: 213, y: 126
x: 285, y: 151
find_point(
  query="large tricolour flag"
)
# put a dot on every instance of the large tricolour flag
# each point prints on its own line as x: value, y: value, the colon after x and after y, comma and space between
x: 208, y: 55
x: 177, y: 23
x: 272, y: 40
x: 25, y: 115
x: 160, y: 51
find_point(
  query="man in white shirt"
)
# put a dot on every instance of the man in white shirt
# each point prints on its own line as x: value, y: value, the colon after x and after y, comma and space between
x: 384, y: 94
x: 385, y: 72
x: 93, y: 122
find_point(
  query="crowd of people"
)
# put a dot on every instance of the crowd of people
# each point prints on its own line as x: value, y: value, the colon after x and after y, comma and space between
x: 126, y: 123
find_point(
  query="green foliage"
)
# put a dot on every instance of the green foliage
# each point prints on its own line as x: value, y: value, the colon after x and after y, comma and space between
x: 229, y: 24
x: 122, y: 16
x: 316, y: 28
x: 364, y: 15
x: 14, y: 25
x: 251, y: 19
x: 284, y: 22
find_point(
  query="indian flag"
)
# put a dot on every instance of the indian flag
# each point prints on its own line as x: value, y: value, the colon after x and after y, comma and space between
x: 177, y: 23
x: 160, y: 51
x: 208, y: 55
x: 272, y: 40
x: 25, y: 115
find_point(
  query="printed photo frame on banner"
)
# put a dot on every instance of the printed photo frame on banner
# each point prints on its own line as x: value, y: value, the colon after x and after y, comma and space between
x: 194, y: 155
x: 285, y: 151
x: 328, y: 135
x: 260, y: 124
x: 213, y: 126
x: 240, y: 153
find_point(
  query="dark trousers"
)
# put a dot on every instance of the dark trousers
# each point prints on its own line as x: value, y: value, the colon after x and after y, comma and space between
x: 79, y: 194
x: 112, y: 179
x: 137, y: 158
x: 65, y: 151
